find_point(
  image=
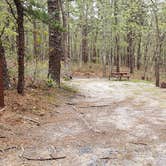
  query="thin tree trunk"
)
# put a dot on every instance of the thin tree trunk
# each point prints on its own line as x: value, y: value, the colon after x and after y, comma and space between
x: 157, y: 71
x: 35, y: 49
x: 6, y: 80
x: 1, y: 82
x: 110, y: 64
x: 116, y: 37
x: 130, y: 51
x: 104, y: 65
x: 84, y: 44
x: 94, y: 49
x: 20, y: 45
x: 66, y: 57
x: 84, y: 18
x: 35, y: 40
x: 68, y: 31
x: 139, y: 54
x: 145, y: 60
x: 64, y: 37
x: 117, y: 54
x: 158, y: 45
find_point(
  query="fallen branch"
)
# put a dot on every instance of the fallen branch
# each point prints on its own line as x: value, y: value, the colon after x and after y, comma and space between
x: 7, y: 149
x: 85, y: 121
x: 70, y: 103
x: 44, y: 159
x: 31, y: 120
x: 138, y: 143
x: 3, y: 109
x: 104, y: 105
x: 52, y: 157
x: 108, y: 158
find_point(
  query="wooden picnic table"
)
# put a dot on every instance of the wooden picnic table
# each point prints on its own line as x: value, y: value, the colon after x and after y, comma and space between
x: 120, y: 75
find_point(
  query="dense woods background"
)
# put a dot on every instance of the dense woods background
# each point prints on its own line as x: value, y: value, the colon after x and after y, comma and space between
x: 49, y: 39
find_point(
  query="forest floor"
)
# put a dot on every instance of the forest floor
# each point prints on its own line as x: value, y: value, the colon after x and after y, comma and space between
x: 107, y: 123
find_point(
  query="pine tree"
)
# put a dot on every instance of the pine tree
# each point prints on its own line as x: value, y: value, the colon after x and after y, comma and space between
x: 55, y: 35
x: 20, y: 45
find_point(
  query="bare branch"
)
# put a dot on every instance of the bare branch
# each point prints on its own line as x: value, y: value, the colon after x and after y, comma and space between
x: 11, y: 9
x: 2, y: 32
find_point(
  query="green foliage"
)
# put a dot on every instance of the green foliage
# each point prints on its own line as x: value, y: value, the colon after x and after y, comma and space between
x: 50, y: 83
x: 38, y: 11
x: 98, y: 17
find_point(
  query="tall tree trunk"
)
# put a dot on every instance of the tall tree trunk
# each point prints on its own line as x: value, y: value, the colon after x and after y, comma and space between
x: 139, y: 53
x: 55, y: 47
x: 35, y: 48
x: 1, y: 81
x: 35, y: 40
x: 158, y: 44
x: 146, y: 59
x: 94, y: 53
x: 116, y: 37
x: 104, y: 64
x: 64, y: 37
x: 5, y: 74
x: 20, y: 45
x: 130, y: 51
x: 157, y: 71
x: 94, y: 49
x: 84, y: 44
x: 68, y: 32
x: 66, y: 57
x: 117, y: 54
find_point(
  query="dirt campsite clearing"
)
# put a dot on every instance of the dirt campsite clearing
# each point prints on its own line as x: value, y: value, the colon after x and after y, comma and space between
x: 108, y: 123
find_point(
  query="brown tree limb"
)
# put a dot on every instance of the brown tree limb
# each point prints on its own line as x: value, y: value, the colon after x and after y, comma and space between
x: 31, y: 120
x: 90, y: 127
x: 3, y: 109
x: 7, y: 149
x: 104, y: 105
x: 44, y: 159
x: 11, y: 9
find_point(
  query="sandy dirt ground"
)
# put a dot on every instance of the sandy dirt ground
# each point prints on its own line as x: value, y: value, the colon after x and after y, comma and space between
x: 109, y: 123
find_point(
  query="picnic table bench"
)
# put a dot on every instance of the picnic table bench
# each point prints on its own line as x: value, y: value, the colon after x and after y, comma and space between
x: 120, y: 75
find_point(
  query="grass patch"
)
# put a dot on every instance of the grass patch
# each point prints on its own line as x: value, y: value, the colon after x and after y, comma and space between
x: 140, y: 81
x: 68, y: 88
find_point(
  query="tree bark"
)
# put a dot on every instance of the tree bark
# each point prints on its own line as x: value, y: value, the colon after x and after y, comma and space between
x: 35, y: 48
x: 139, y: 54
x: 146, y: 59
x: 5, y: 74
x: 35, y: 40
x: 158, y: 44
x: 84, y: 44
x: 66, y: 57
x: 116, y: 37
x: 68, y: 33
x: 55, y: 47
x: 1, y: 82
x: 20, y: 45
x: 130, y: 51
x: 94, y: 48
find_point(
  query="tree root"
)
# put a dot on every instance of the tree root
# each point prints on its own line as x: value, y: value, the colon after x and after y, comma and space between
x: 7, y: 149
x: 85, y: 121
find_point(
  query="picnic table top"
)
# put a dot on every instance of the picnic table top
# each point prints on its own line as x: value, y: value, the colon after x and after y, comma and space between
x: 120, y: 73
